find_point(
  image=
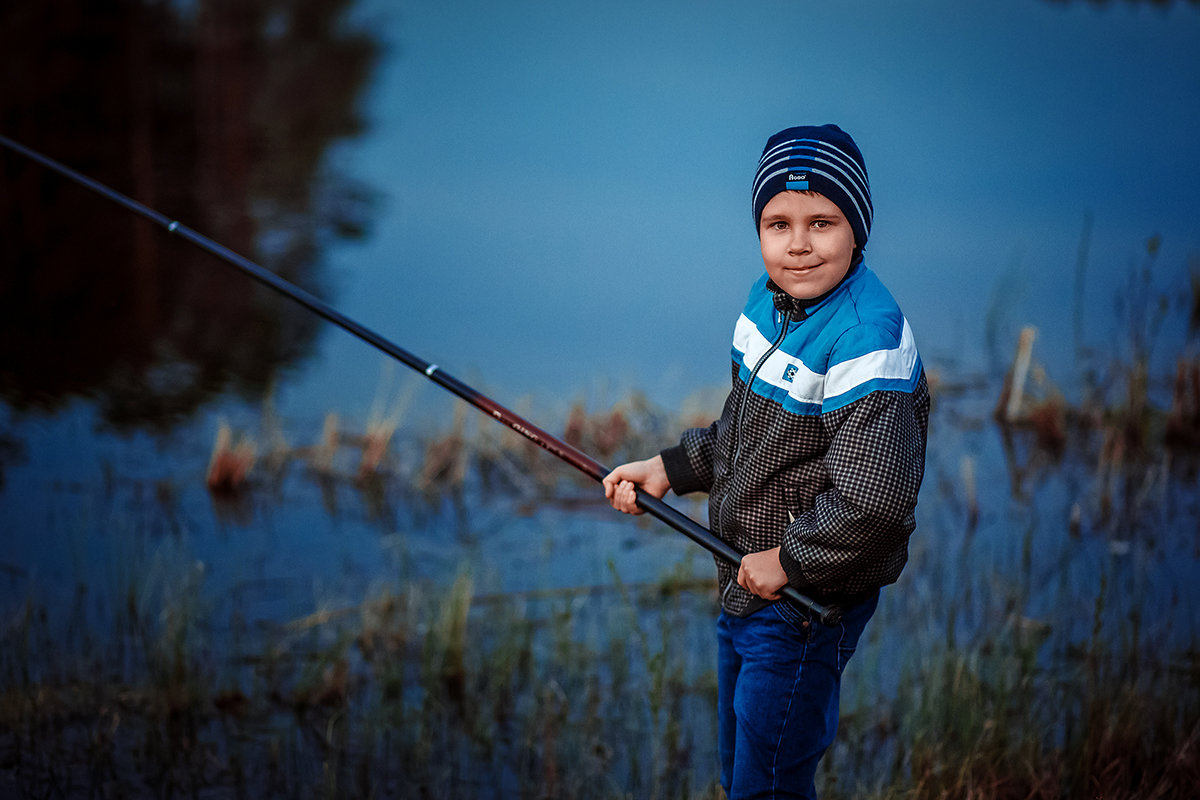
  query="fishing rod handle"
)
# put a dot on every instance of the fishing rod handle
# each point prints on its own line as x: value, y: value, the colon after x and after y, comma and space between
x: 656, y: 507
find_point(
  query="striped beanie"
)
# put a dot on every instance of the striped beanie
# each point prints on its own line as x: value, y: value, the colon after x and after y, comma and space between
x: 821, y: 159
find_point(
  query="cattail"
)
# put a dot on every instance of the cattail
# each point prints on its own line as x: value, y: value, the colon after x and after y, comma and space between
x: 1049, y: 425
x: 230, y: 463
x: 322, y: 454
x: 967, y: 472
x: 610, y: 433
x: 375, y: 446
x: 576, y: 425
x: 1183, y: 421
x: 1013, y: 394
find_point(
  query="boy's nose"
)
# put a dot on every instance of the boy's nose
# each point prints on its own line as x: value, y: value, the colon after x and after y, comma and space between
x: 800, y: 241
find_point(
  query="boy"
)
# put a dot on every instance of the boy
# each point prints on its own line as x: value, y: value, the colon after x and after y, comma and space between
x: 813, y: 468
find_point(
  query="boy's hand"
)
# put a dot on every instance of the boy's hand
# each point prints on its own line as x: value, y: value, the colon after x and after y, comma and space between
x: 761, y: 574
x: 620, y: 485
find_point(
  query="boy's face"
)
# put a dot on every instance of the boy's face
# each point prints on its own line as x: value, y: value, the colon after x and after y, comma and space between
x: 807, y: 243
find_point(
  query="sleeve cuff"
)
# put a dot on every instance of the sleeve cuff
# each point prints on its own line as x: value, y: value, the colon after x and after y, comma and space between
x: 791, y: 566
x: 679, y: 470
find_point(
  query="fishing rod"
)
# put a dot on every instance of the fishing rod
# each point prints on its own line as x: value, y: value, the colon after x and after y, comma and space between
x: 654, y: 506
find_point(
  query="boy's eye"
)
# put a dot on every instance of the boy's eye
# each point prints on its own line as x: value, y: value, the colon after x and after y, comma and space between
x: 779, y: 225
x: 821, y: 223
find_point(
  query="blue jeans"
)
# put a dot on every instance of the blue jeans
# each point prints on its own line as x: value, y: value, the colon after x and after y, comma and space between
x: 779, y: 674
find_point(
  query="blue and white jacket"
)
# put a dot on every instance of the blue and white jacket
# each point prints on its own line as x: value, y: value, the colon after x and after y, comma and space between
x: 820, y: 447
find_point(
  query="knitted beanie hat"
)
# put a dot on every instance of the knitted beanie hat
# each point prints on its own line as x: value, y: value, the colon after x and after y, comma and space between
x: 821, y: 159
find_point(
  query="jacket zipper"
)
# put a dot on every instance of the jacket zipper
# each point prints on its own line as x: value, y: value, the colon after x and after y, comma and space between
x: 785, y: 320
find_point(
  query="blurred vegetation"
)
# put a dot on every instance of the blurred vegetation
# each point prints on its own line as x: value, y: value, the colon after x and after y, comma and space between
x: 592, y: 692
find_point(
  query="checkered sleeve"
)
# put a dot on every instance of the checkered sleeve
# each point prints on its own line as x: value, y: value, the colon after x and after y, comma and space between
x: 689, y: 464
x: 854, y: 537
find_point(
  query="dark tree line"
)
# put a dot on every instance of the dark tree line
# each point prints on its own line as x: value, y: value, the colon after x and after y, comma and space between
x: 218, y: 114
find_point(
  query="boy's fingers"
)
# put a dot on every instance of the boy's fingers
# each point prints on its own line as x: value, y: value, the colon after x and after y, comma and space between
x: 617, y: 491
x: 629, y: 498
x: 611, y: 481
x: 621, y: 492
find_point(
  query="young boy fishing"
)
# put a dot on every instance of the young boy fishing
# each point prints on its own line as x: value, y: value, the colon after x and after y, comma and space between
x: 812, y: 469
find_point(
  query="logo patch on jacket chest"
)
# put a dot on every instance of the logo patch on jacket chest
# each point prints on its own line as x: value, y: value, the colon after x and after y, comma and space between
x: 789, y: 372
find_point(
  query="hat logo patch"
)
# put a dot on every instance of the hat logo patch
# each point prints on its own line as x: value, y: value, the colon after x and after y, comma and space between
x: 797, y: 180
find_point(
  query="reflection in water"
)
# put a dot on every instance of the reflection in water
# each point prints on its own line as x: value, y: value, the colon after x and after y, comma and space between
x: 217, y: 113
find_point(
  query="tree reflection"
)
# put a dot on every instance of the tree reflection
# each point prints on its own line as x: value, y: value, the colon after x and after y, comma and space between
x: 218, y: 113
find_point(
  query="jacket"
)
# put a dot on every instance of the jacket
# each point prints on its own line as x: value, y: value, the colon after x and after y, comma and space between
x: 820, y: 447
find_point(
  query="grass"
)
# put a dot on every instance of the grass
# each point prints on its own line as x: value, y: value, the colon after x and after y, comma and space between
x: 603, y: 692
x: 409, y: 696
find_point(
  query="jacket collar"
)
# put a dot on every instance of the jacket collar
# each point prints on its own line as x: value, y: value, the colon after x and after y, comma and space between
x: 800, y: 309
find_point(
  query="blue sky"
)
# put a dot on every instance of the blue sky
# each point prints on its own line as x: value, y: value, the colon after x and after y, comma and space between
x: 565, y: 186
